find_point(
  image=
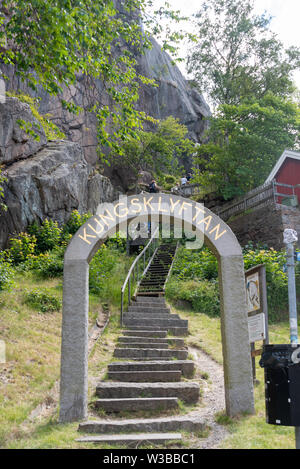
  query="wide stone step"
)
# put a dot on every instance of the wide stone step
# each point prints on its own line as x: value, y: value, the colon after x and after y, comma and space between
x: 149, y: 353
x: 131, y: 439
x: 142, y: 340
x: 150, y: 340
x: 145, y: 304
x: 170, y: 424
x: 152, y: 334
x: 176, y: 331
x: 157, y: 322
x: 150, y: 316
x: 186, y: 367
x: 151, y: 299
x: 136, y: 404
x: 145, y: 376
x: 186, y: 392
x: 150, y: 310
x: 143, y: 345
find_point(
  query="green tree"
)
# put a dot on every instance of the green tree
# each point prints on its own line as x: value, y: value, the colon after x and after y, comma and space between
x: 237, y: 55
x: 52, y: 43
x: 159, y: 150
x: 245, y: 141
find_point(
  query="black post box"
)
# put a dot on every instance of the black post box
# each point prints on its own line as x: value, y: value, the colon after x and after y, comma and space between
x: 282, y: 384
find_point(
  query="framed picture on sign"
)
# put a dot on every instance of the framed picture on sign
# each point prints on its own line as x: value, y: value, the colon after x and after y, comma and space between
x: 257, y: 308
x: 253, y: 292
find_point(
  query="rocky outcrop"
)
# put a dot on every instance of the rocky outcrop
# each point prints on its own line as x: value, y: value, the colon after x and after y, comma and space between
x: 173, y: 96
x: 16, y: 143
x: 48, y: 180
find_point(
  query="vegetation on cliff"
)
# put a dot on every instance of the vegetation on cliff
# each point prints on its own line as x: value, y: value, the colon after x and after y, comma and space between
x: 248, y: 74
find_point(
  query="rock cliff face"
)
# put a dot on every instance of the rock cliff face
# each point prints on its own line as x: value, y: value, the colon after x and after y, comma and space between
x: 172, y: 97
x: 52, y: 179
x: 47, y: 179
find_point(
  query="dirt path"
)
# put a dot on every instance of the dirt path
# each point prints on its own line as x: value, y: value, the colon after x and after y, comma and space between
x: 213, y: 398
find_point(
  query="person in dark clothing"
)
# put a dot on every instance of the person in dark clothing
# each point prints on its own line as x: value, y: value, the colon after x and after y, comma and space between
x: 153, y: 187
x: 189, y: 177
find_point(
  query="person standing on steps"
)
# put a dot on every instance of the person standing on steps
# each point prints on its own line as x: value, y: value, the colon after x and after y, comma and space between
x: 153, y: 189
x: 183, y: 181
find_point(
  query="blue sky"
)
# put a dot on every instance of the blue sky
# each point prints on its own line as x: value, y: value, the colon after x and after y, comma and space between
x: 285, y: 22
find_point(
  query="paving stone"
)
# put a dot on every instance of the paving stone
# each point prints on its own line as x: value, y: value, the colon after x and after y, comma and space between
x: 145, y: 376
x: 186, y: 367
x: 136, y: 404
x: 143, y: 345
x: 149, y: 333
x: 185, y: 391
x: 169, y: 424
x: 154, y: 438
x: 149, y: 353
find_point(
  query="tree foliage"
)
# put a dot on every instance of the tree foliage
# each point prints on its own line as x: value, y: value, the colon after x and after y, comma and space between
x: 245, y: 142
x: 158, y: 150
x: 237, y: 55
x: 53, y: 43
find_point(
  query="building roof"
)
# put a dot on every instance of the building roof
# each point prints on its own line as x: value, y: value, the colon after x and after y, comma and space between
x: 286, y: 154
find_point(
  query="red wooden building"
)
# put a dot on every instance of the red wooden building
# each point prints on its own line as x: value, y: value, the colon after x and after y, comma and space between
x: 286, y: 173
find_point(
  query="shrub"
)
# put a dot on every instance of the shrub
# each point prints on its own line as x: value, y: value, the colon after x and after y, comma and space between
x: 101, y: 269
x: 203, y: 295
x: 21, y: 248
x: 76, y: 221
x: 42, y: 301
x: 48, y: 235
x: 202, y: 265
x: 6, y: 275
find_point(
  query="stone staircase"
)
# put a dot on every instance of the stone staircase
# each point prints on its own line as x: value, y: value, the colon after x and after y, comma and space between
x: 154, y: 281
x: 152, y: 372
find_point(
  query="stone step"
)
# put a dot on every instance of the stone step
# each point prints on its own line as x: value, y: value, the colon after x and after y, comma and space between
x: 144, y: 309
x: 136, y: 404
x: 145, y: 376
x: 150, y: 340
x: 149, y: 304
x: 142, y: 340
x: 152, y: 334
x: 186, y: 367
x: 176, y: 331
x: 186, y: 392
x: 151, y: 299
x: 150, y: 316
x: 145, y: 321
x: 143, y: 345
x: 131, y: 439
x: 149, y: 353
x: 170, y: 424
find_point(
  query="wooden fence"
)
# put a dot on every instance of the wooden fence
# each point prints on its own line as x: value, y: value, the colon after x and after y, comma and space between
x: 255, y: 199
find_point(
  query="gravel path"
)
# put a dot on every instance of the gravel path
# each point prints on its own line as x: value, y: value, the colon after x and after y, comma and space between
x: 213, y: 398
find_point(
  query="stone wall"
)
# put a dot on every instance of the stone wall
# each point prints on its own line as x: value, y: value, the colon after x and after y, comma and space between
x: 266, y: 225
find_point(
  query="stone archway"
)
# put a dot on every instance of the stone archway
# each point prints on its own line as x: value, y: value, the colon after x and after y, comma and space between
x: 234, y: 325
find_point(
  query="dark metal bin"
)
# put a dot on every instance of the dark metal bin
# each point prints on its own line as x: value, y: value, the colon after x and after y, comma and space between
x: 282, y: 384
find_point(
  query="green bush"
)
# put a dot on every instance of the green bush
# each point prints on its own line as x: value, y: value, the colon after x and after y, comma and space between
x: 45, y: 265
x: 101, y: 269
x: 203, y: 295
x: 42, y: 301
x: 76, y: 221
x: 6, y: 275
x: 21, y: 248
x: 48, y: 235
x: 190, y: 264
x: 202, y: 265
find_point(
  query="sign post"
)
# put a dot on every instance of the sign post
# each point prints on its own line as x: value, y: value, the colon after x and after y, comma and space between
x: 291, y: 237
x: 257, y: 308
